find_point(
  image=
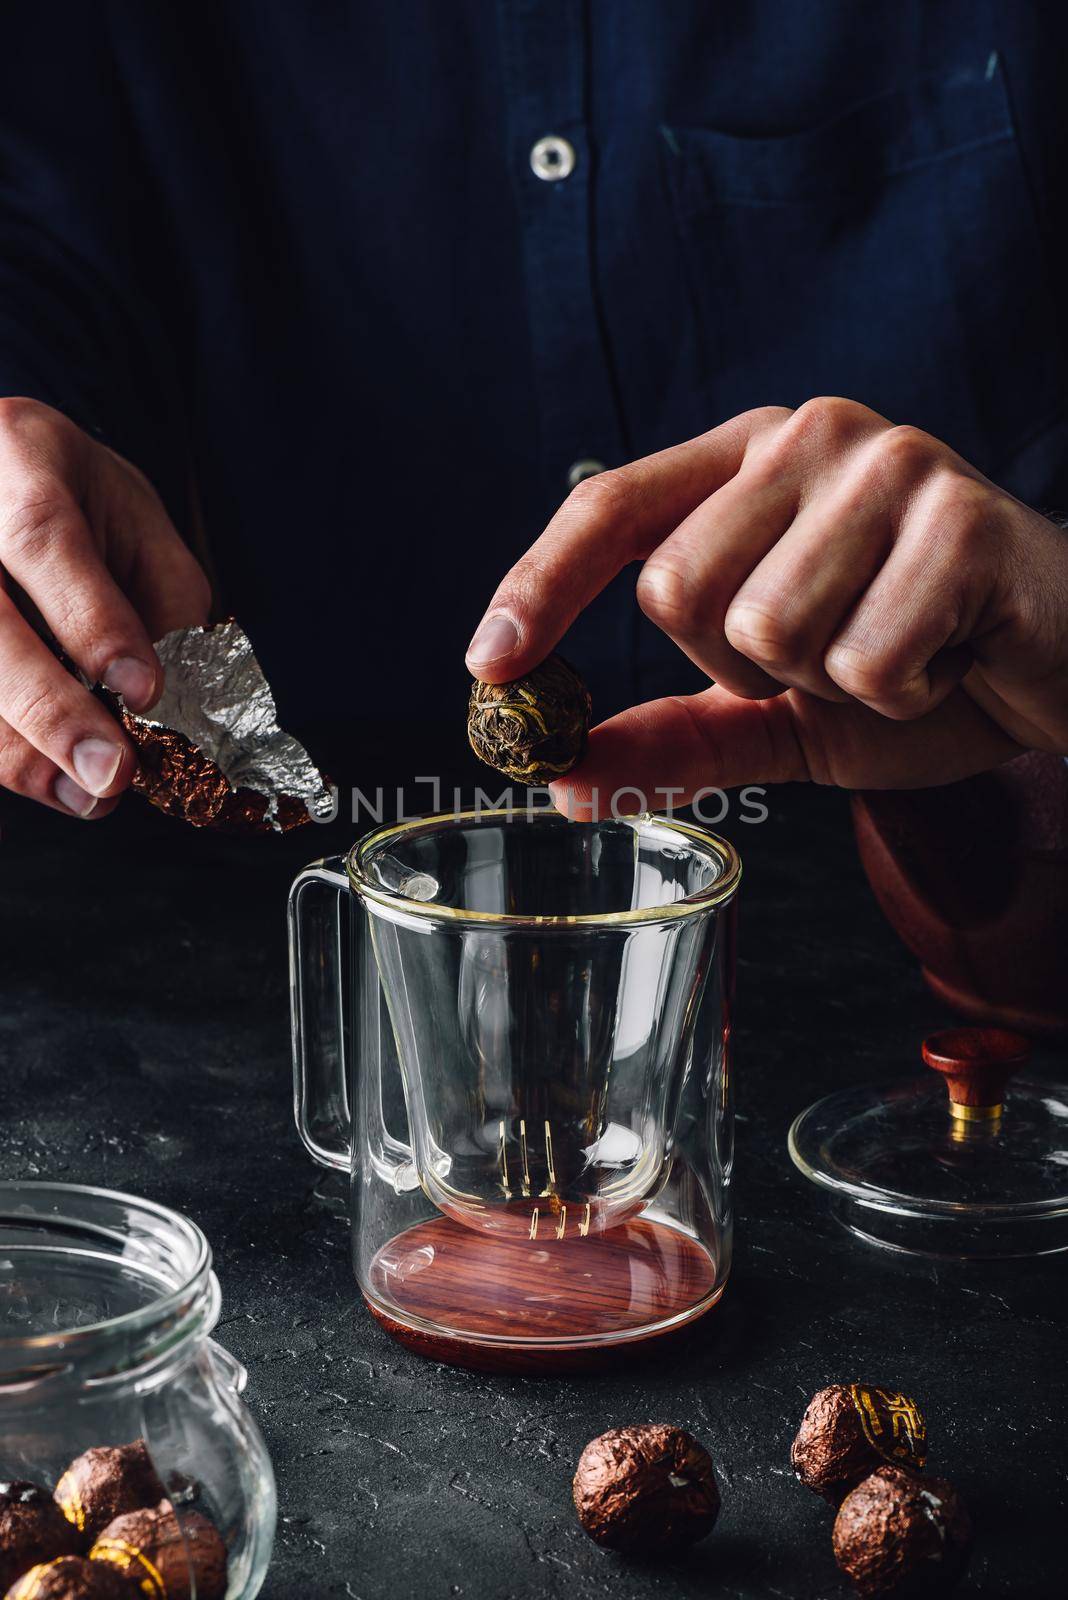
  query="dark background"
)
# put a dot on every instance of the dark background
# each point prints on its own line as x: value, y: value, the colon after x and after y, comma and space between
x: 144, y: 1045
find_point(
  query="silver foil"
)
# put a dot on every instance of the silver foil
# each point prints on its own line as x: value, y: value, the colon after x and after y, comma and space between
x: 217, y: 696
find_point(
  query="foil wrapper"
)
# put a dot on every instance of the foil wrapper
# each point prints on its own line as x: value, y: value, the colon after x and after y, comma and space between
x: 899, y: 1535
x: 647, y: 1490
x: 849, y: 1429
x: 210, y: 750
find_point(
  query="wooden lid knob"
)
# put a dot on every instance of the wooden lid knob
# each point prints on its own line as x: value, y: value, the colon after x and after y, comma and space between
x: 976, y: 1064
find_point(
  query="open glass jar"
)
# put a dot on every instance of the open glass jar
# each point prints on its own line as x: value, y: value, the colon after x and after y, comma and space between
x: 107, y: 1303
x: 513, y: 1032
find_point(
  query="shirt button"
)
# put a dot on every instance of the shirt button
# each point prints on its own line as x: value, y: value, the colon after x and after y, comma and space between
x: 579, y: 471
x: 552, y: 158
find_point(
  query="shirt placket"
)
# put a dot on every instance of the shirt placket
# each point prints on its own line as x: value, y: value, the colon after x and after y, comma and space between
x: 544, y: 50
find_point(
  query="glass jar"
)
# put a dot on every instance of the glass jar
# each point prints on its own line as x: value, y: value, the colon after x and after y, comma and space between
x: 107, y: 1303
x: 513, y: 1032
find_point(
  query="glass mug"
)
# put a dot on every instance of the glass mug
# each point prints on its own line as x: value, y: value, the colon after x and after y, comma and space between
x: 513, y: 1032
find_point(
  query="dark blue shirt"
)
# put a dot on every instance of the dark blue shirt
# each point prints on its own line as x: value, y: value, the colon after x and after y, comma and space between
x: 299, y: 256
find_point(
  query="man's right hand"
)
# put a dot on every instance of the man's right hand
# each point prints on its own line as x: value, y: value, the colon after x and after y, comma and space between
x: 85, y: 538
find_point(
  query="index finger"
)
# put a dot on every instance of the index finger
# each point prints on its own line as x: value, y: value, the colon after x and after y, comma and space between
x: 605, y: 523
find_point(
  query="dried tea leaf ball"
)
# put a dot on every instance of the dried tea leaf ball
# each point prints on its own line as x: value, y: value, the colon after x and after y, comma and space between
x: 32, y: 1529
x: 646, y: 1490
x: 166, y: 1559
x: 71, y: 1578
x: 105, y: 1481
x: 899, y: 1535
x: 533, y: 729
x: 849, y: 1429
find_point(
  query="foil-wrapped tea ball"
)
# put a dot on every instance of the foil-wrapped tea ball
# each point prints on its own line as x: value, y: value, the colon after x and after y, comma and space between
x: 107, y: 1480
x: 32, y: 1529
x: 71, y: 1578
x: 849, y: 1429
x: 164, y: 1558
x: 646, y: 1490
x: 903, y: 1536
x: 211, y: 751
x: 533, y: 729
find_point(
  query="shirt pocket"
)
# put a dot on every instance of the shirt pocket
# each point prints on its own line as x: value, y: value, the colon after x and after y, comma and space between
x: 892, y: 256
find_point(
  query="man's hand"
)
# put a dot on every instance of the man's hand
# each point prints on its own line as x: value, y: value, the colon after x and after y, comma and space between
x: 909, y: 617
x: 86, y: 540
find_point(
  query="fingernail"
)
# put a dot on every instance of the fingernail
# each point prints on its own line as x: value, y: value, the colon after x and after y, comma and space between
x: 497, y: 636
x: 131, y: 678
x: 96, y: 763
x: 75, y: 799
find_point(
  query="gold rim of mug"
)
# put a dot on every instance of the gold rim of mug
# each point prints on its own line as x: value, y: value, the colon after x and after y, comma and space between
x: 716, y: 894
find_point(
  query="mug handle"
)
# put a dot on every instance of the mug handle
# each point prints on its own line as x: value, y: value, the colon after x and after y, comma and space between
x: 317, y: 988
x: 316, y: 1007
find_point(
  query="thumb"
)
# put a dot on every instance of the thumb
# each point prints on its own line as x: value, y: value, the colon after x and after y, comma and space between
x: 661, y: 754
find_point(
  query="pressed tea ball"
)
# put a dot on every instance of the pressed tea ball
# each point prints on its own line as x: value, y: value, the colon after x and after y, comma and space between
x: 105, y: 1481
x: 647, y: 1490
x: 32, y: 1529
x: 164, y: 1557
x: 903, y: 1536
x: 71, y: 1578
x: 849, y: 1429
x: 533, y: 729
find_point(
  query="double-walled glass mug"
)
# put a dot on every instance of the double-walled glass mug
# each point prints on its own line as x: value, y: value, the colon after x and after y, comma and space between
x: 513, y: 1031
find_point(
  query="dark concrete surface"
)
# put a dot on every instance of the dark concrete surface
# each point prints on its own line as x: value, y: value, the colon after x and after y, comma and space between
x: 144, y: 1045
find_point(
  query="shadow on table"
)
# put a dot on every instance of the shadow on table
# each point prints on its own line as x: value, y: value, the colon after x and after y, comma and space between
x: 724, y: 1559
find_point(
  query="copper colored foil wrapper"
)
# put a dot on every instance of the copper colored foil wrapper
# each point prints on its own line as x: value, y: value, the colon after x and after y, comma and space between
x: 900, y: 1535
x: 32, y: 1529
x: 211, y: 751
x: 105, y: 1481
x: 165, y: 1556
x: 849, y: 1429
x: 646, y: 1490
x: 71, y: 1578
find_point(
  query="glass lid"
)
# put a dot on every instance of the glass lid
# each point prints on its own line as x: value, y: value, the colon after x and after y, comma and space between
x: 974, y: 1165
